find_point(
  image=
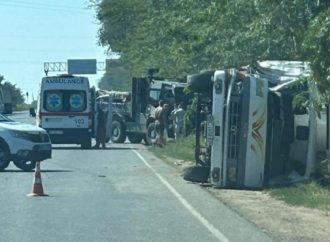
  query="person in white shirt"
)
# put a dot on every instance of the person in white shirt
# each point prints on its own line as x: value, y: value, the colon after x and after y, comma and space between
x: 178, y: 118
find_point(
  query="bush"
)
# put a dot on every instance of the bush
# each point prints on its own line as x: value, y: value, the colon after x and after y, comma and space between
x: 311, y: 195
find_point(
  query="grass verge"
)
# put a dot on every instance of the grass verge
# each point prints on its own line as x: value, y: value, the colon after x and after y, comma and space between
x: 312, y: 195
x: 182, y: 149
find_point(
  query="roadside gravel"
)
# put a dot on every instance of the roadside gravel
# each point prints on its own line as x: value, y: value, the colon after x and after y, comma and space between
x: 281, y: 221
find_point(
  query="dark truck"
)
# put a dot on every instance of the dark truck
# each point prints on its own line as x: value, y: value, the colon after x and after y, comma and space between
x: 134, y: 113
x: 6, y: 100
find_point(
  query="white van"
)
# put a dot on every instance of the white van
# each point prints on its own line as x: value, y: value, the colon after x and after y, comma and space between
x: 65, y: 109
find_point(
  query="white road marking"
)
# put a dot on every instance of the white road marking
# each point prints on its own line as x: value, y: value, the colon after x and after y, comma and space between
x: 220, y: 236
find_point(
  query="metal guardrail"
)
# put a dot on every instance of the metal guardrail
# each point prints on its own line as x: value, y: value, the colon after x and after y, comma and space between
x: 63, y: 67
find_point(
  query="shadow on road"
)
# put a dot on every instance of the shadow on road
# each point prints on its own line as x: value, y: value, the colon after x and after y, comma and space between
x: 107, y: 148
x: 20, y: 171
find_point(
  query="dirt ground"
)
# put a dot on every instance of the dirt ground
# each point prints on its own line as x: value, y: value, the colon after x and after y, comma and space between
x: 279, y: 220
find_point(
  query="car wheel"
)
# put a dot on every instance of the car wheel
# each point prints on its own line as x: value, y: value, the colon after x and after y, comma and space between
x: 25, y: 165
x: 200, y: 83
x: 118, y: 132
x: 4, y: 161
x: 151, y: 134
x: 135, y: 138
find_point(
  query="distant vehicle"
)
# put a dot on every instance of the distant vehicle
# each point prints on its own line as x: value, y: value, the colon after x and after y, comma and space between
x: 6, y: 100
x: 24, y: 144
x: 65, y: 109
x: 32, y: 112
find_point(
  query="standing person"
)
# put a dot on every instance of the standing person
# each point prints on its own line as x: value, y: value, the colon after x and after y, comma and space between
x: 172, y: 116
x: 102, y: 115
x: 166, y: 121
x: 178, y: 117
x: 159, y: 124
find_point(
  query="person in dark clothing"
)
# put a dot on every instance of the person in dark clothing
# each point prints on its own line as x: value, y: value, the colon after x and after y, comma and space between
x: 32, y: 112
x: 102, y: 115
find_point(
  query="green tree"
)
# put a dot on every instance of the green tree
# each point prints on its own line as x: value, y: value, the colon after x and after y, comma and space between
x: 317, y: 43
x: 117, y: 79
x: 16, y: 92
x: 186, y: 36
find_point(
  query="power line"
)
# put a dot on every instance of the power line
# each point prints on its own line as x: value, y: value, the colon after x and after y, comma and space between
x: 50, y: 50
x: 36, y: 7
x: 14, y: 36
x: 45, y: 5
x: 19, y: 62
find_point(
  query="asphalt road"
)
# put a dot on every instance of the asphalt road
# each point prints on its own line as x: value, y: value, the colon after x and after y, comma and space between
x: 122, y: 193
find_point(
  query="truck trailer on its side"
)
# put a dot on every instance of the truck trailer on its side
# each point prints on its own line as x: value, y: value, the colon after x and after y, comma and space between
x: 255, y: 135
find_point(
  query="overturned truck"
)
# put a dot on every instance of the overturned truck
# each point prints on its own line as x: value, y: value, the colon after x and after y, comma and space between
x: 255, y: 136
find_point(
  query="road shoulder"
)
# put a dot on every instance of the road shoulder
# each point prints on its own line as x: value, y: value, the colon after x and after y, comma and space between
x: 281, y: 221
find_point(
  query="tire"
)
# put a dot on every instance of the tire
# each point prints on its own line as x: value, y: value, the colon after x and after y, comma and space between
x: 118, y: 131
x: 4, y: 156
x: 25, y: 165
x: 201, y: 83
x: 151, y: 134
x: 196, y: 173
x: 87, y: 144
x: 135, y: 138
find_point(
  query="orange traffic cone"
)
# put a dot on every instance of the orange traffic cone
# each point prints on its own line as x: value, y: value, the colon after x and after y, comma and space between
x: 37, y: 189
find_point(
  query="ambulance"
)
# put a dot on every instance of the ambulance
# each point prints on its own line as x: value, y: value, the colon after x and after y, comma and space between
x: 65, y: 109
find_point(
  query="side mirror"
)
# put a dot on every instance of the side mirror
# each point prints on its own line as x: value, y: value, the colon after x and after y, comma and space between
x: 300, y: 110
x: 152, y: 71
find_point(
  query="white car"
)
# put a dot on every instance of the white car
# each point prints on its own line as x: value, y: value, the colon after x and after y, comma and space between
x: 24, y: 144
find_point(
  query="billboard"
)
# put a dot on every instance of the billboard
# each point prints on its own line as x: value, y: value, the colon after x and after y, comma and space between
x: 82, y: 66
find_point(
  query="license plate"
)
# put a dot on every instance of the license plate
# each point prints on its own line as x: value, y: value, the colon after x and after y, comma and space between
x: 44, y: 147
x: 209, y: 130
x: 55, y: 132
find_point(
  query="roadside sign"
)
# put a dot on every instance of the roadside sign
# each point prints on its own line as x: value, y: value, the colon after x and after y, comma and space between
x: 112, y: 64
x: 82, y: 66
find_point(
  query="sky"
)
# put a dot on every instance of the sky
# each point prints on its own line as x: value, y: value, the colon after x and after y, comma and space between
x: 36, y: 31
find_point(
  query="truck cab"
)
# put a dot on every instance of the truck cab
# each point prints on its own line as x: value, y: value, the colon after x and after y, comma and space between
x: 135, y: 120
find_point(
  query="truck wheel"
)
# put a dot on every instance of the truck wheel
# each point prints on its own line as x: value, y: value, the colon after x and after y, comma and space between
x: 151, y: 134
x: 135, y: 138
x: 201, y: 82
x: 196, y: 173
x: 4, y: 161
x: 25, y: 165
x: 87, y: 144
x: 118, y: 131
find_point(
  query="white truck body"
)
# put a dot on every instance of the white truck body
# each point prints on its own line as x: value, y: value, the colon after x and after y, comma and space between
x: 257, y: 137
